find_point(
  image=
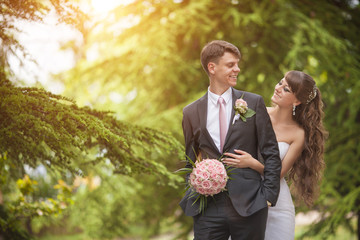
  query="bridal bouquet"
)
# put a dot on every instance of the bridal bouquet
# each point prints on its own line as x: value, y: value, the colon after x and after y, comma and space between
x: 207, y: 178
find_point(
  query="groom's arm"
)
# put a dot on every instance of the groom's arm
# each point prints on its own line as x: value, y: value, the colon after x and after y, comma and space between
x: 269, y: 150
x: 190, y: 145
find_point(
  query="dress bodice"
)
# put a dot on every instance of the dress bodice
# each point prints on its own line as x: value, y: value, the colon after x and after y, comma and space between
x: 283, y: 149
x: 281, y: 218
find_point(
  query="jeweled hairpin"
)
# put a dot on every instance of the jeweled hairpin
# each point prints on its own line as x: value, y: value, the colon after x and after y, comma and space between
x: 312, y: 95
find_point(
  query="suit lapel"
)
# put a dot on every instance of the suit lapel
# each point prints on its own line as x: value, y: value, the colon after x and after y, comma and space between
x: 235, y: 95
x: 202, y: 111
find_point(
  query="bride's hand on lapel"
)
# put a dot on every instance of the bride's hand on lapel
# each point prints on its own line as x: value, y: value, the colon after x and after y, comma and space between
x: 242, y: 159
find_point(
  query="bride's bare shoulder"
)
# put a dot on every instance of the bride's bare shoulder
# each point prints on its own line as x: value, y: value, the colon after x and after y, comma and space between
x: 296, y: 134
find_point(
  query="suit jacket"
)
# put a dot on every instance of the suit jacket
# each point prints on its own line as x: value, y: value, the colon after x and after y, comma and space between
x: 247, y: 190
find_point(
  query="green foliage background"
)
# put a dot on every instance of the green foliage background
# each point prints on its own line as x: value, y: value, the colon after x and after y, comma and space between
x: 154, y: 66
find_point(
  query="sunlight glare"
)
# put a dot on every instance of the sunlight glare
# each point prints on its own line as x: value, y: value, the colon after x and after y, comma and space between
x: 103, y: 6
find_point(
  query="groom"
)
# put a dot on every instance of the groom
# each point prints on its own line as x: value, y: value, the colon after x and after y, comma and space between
x: 210, y: 129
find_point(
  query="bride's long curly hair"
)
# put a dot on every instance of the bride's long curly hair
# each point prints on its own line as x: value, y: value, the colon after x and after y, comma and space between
x: 307, y: 171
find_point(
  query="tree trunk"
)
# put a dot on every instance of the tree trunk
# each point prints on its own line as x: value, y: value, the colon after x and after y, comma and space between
x: 28, y: 226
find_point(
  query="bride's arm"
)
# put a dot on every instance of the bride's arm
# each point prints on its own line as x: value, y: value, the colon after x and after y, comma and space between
x: 294, y: 152
x: 243, y: 160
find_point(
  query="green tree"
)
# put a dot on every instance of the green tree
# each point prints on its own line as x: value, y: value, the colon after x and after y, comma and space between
x: 53, y: 131
x: 38, y: 127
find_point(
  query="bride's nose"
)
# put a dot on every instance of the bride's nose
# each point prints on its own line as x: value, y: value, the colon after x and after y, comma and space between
x: 277, y: 88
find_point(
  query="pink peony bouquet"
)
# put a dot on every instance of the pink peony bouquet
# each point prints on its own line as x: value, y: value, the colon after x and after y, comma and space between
x: 209, y: 177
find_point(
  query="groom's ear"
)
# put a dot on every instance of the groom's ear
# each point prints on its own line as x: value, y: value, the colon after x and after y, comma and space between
x: 211, y: 67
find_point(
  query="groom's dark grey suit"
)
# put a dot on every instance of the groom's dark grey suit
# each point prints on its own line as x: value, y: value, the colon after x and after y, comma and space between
x: 248, y: 192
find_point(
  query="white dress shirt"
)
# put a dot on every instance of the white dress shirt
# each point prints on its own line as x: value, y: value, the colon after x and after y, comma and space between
x: 212, y: 123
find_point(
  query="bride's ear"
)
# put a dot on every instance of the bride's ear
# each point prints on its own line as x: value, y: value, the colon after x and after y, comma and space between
x: 296, y: 103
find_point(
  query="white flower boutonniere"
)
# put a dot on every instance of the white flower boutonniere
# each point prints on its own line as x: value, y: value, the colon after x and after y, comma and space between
x: 241, y: 110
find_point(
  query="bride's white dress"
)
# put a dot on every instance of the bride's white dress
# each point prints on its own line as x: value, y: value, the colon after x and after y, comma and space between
x: 281, y: 218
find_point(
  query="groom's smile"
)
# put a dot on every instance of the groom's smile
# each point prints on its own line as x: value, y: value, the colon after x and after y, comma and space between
x: 227, y: 69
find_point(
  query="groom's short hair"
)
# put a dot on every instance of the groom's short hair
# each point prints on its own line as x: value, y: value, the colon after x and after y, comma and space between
x: 215, y: 50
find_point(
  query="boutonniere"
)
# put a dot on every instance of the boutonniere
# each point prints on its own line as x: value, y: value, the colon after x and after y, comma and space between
x: 241, y: 110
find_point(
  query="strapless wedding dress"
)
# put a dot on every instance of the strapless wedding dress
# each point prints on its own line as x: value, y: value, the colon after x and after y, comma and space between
x: 281, y: 218
x: 280, y: 223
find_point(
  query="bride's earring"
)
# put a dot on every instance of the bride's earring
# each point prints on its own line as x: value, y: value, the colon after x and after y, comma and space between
x: 294, y: 110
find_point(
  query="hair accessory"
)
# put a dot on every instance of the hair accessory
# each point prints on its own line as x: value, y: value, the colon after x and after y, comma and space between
x: 312, y: 95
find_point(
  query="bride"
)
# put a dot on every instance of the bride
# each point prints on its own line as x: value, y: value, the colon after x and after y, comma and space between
x: 296, y: 117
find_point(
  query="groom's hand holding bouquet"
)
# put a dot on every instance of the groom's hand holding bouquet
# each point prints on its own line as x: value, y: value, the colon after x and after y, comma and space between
x: 207, y: 177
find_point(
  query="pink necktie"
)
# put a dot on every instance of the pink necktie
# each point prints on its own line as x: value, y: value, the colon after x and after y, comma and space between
x: 222, y: 122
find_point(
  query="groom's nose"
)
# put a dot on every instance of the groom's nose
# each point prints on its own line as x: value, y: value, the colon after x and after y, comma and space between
x: 236, y: 68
